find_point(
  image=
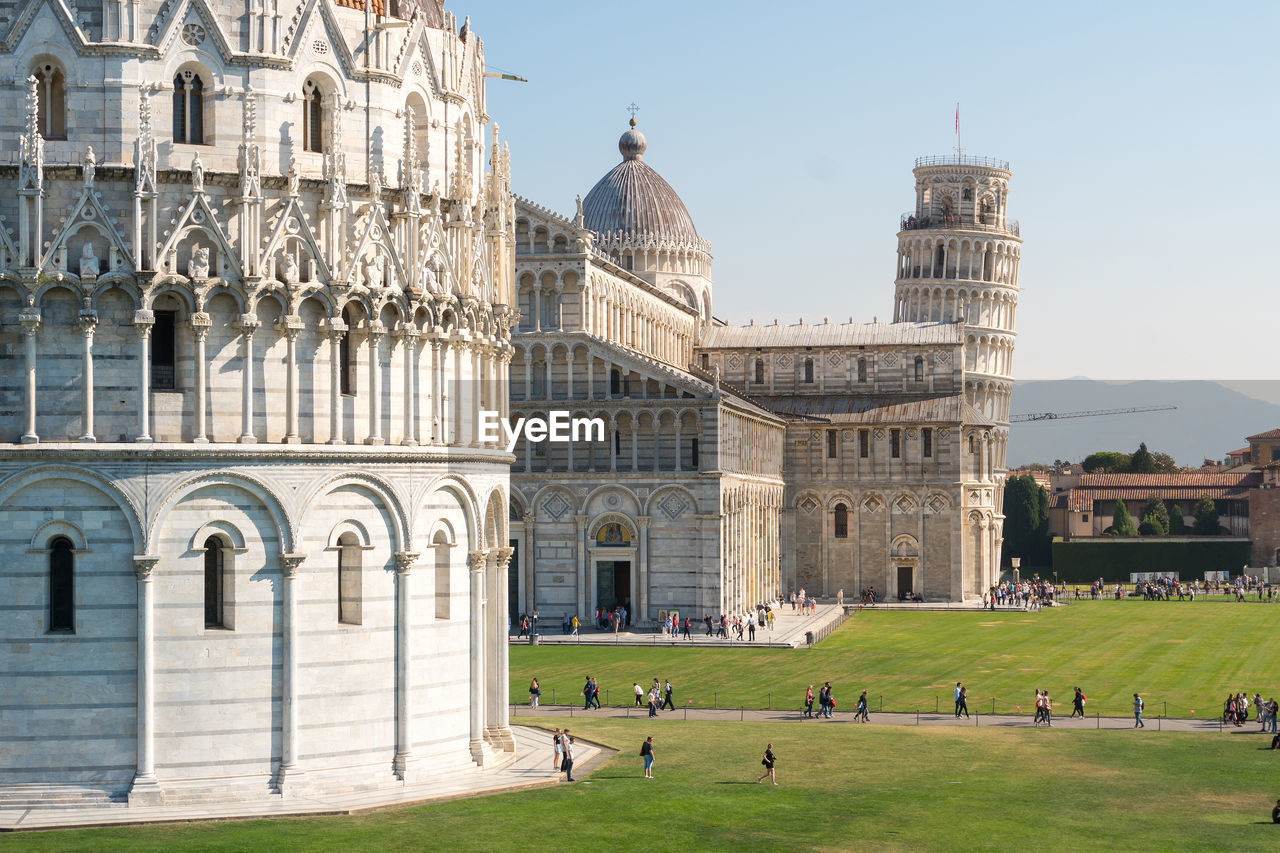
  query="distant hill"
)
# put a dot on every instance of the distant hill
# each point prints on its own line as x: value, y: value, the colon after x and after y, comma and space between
x: 1211, y: 420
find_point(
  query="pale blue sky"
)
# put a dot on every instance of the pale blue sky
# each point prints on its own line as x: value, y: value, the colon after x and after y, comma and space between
x: 1141, y: 137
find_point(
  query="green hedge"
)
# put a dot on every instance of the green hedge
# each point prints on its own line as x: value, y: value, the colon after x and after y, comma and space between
x: 1112, y: 559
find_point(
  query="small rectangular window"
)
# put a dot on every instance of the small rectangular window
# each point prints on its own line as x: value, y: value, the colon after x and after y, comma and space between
x: 864, y: 443
x: 694, y: 454
x: 926, y: 442
x: 164, y: 351
x: 895, y: 443
x: 831, y: 444
x: 350, y: 580
x: 1084, y: 517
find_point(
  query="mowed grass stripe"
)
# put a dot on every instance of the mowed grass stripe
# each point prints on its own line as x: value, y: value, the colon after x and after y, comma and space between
x: 1188, y: 655
x: 842, y: 787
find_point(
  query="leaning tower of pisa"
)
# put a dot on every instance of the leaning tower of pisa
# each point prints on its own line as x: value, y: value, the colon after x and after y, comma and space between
x: 958, y: 258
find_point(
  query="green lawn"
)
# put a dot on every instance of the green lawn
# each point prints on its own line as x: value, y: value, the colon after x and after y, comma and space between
x: 842, y: 787
x: 1188, y: 655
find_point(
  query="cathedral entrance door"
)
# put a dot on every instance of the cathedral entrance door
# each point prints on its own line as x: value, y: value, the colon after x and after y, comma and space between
x: 613, y: 584
x: 905, y: 574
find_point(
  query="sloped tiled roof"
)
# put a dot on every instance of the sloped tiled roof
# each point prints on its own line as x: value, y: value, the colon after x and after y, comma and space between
x: 1169, y: 487
x: 1269, y: 435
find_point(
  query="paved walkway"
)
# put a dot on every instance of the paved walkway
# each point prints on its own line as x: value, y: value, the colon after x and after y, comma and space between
x: 789, y: 631
x: 896, y: 718
x: 530, y: 767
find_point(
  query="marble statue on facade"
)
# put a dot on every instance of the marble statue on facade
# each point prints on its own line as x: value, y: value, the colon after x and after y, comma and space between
x: 89, y: 262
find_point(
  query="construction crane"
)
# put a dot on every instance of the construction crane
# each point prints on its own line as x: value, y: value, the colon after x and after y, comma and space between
x: 1057, y: 416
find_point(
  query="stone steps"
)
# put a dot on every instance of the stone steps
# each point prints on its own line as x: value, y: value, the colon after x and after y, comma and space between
x: 68, y: 796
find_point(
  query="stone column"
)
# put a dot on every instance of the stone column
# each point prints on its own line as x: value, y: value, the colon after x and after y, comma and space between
x: 337, y: 329
x: 476, y: 689
x: 142, y: 321
x: 290, y: 774
x: 200, y: 324
x: 568, y: 394
x: 375, y: 385
x: 580, y: 587
x: 88, y: 322
x: 248, y: 325
x: 476, y: 386
x: 404, y: 668
x: 591, y: 388
x: 437, y: 407
x: 291, y: 326
x: 145, y: 790
x: 30, y: 321
x: 456, y: 416
x: 528, y: 378
x: 641, y: 603
x: 526, y: 563
x: 409, y: 342
x: 502, y: 722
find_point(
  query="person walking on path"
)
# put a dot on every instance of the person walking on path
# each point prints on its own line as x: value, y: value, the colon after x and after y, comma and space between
x: 595, y: 694
x: 1137, y: 712
x: 808, y: 702
x: 962, y: 704
x: 568, y: 760
x: 687, y: 635
x: 667, y: 702
x: 861, y: 713
x: 768, y: 762
x: 556, y: 741
x: 957, y: 697
x: 646, y: 752
x: 588, y: 693
x: 751, y: 627
x: 831, y: 701
x: 636, y: 686
x: 1077, y: 703
x: 653, y: 701
x: 534, y: 692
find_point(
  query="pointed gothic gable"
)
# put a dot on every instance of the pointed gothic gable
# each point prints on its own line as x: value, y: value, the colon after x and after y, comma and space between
x: 167, y: 29
x: 433, y: 246
x: 297, y: 35
x: 30, y: 11
x: 292, y: 223
x: 89, y: 212
x: 376, y: 233
x: 197, y: 215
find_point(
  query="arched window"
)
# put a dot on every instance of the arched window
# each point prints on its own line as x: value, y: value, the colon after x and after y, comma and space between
x: 312, y: 117
x: 842, y: 521
x: 862, y: 370
x: 214, y: 583
x: 164, y: 349
x: 347, y: 369
x: 919, y: 369
x: 188, y: 108
x: 349, y: 579
x: 52, y: 95
x: 441, y: 543
x: 759, y: 371
x: 808, y: 370
x: 62, y: 587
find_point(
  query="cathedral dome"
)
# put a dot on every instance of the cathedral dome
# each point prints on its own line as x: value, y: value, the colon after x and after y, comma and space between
x: 634, y: 199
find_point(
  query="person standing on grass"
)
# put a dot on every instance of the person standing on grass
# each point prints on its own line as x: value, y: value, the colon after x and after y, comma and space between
x: 768, y: 762
x: 667, y: 702
x: 957, y: 698
x: 636, y: 686
x: 646, y: 752
x: 861, y: 713
x: 1275, y: 813
x: 1138, y: 705
x: 808, y: 702
x: 534, y: 692
x: 568, y: 760
x: 1077, y: 703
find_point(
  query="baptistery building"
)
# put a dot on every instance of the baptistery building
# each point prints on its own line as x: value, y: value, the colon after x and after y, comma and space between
x: 255, y: 292
x: 743, y: 463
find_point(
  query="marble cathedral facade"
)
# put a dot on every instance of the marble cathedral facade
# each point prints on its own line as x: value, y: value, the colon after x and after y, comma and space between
x: 744, y: 463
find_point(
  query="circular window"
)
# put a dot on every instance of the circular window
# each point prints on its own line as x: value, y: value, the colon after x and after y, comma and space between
x: 193, y: 34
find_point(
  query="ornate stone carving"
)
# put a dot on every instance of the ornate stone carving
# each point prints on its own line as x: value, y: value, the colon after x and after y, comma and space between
x: 143, y: 566
x: 289, y: 564
x: 405, y: 561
